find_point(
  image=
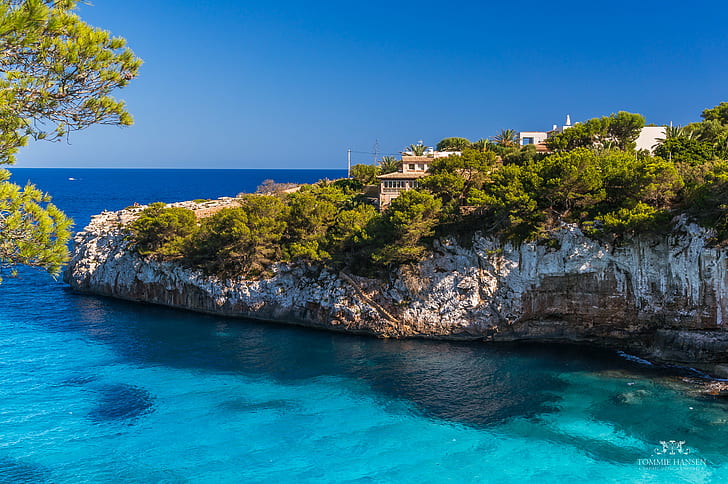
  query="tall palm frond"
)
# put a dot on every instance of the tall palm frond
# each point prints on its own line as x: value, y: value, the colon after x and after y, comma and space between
x: 506, y: 137
x: 417, y: 150
x: 483, y: 144
x: 388, y: 164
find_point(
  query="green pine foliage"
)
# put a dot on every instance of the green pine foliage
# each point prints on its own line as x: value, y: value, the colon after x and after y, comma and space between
x: 161, y: 229
x: 508, y: 202
x: 614, y: 131
x: 365, y: 174
x: 525, y: 154
x: 241, y: 240
x: 452, y: 178
x: 596, y: 181
x: 717, y: 113
x: 319, y: 223
x: 33, y: 231
x: 641, y: 217
x: 58, y: 74
x: 686, y: 150
x: 408, y: 220
x: 707, y: 199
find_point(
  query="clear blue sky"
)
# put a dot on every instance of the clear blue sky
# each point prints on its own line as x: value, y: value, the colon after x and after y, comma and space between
x: 289, y: 84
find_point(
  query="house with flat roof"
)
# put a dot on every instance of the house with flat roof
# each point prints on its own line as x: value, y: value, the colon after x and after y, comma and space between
x: 647, y: 140
x: 539, y: 138
x: 532, y: 137
x: 650, y: 137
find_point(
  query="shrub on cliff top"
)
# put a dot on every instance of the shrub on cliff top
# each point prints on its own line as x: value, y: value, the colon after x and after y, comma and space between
x: 161, y: 229
x: 365, y: 174
x: 707, y: 200
x: 410, y: 218
x: 595, y: 180
x: 240, y: 240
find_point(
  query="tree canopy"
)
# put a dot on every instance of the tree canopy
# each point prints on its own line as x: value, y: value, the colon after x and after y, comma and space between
x: 57, y: 74
x: 618, y: 130
x: 417, y: 149
x: 365, y: 174
x: 33, y: 231
x: 685, y: 150
x: 159, y: 228
x: 453, y: 144
x: 717, y: 113
x: 604, y: 187
x: 388, y: 164
x: 506, y: 137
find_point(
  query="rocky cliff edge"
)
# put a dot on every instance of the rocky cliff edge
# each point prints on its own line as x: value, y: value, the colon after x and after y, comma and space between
x: 664, y: 298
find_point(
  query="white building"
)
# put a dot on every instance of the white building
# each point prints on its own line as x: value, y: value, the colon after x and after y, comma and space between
x: 649, y: 136
x: 560, y: 129
x: 539, y: 137
x: 532, y: 137
x: 647, y: 139
x: 431, y: 153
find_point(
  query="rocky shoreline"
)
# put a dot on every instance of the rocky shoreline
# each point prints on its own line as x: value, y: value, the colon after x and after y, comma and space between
x: 661, y: 298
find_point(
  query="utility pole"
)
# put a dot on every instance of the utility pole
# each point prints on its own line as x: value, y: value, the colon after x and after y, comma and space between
x: 376, y: 150
x: 348, y: 165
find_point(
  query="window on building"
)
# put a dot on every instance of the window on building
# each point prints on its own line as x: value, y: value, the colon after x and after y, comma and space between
x: 527, y: 141
x: 396, y: 184
x: 412, y: 166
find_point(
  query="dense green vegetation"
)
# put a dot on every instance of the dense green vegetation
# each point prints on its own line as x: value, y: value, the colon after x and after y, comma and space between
x: 593, y: 178
x: 322, y: 222
x: 615, y: 131
x: 58, y: 74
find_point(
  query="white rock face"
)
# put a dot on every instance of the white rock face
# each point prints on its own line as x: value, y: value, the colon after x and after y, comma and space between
x: 663, y: 297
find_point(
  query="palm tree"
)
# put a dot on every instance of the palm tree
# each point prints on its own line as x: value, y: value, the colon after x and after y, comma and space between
x: 673, y: 132
x: 417, y: 150
x: 506, y: 137
x: 482, y: 144
x: 388, y: 164
x: 453, y: 144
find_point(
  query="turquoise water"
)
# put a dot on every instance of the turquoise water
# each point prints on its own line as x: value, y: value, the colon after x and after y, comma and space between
x: 98, y: 390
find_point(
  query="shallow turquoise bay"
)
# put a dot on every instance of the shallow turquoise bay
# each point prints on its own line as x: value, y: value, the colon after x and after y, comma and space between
x: 97, y: 390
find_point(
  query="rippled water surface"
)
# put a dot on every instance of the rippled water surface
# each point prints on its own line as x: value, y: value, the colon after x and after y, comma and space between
x: 98, y: 390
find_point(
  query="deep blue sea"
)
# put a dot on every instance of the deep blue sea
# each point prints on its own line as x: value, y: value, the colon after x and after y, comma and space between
x: 98, y: 390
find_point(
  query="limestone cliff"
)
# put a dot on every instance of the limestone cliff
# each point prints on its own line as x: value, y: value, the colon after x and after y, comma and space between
x: 664, y: 298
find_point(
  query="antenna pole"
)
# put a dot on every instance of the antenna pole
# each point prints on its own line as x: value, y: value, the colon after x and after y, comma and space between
x: 348, y: 164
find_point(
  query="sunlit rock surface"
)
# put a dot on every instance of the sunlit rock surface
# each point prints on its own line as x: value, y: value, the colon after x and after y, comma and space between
x: 665, y: 298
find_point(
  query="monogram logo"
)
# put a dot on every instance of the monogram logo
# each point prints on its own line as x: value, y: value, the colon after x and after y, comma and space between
x: 672, y: 447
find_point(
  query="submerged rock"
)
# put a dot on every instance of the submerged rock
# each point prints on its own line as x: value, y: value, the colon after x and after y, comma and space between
x: 660, y: 297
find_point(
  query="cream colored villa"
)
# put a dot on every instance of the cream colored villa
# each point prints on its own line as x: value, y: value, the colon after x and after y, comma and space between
x: 411, y: 170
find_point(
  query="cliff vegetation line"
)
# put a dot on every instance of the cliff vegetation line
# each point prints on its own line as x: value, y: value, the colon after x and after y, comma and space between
x: 593, y: 177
